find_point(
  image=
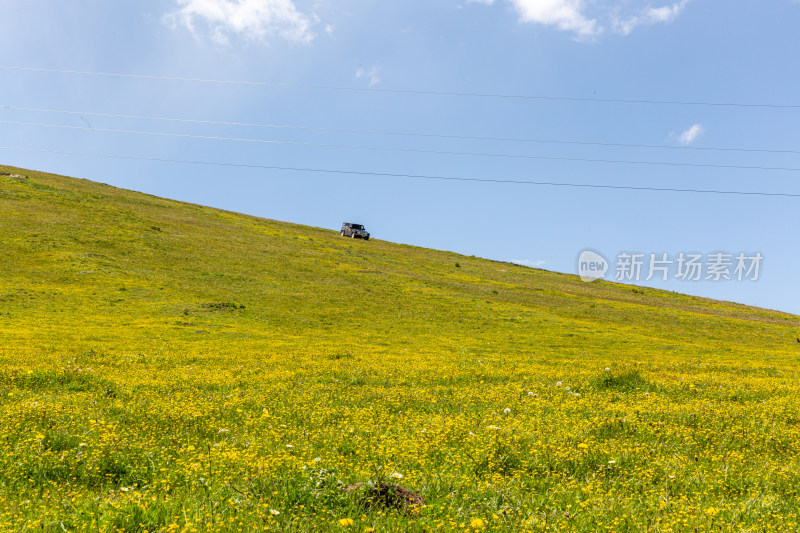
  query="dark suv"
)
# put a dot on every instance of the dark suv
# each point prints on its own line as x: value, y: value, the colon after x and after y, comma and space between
x: 354, y: 231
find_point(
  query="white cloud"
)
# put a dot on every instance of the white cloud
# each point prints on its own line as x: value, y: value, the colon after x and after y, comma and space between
x: 371, y: 75
x: 255, y: 20
x: 529, y: 263
x: 563, y: 14
x: 576, y: 16
x: 688, y: 136
x: 648, y: 17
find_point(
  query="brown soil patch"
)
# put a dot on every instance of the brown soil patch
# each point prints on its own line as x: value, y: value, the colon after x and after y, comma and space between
x: 387, y: 495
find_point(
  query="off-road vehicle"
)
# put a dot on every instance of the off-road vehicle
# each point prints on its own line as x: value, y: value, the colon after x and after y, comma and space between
x: 354, y: 231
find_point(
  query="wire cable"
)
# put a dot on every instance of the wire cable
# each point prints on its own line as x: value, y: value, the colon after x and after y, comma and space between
x: 404, y: 91
x: 404, y: 150
x: 398, y: 133
x: 396, y: 175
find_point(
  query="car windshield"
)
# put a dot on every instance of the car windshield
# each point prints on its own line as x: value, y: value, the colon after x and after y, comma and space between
x: 357, y: 226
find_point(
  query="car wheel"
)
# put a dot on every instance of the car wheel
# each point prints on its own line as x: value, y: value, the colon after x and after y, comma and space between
x: 342, y: 232
x: 366, y: 238
x: 353, y: 235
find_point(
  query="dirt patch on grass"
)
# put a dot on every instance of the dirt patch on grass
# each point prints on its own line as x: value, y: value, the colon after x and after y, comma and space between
x: 221, y: 306
x: 386, y: 495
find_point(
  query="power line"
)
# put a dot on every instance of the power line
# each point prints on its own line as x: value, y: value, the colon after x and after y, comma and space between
x: 398, y: 133
x: 403, y: 150
x: 395, y: 175
x: 404, y: 91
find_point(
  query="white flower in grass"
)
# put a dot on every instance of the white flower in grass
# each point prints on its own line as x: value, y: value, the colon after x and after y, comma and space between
x: 396, y: 475
x: 507, y: 410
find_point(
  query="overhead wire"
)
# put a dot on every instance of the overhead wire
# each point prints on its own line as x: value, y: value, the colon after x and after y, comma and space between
x: 416, y: 176
x: 399, y: 175
x: 397, y: 133
x: 404, y: 91
x: 404, y: 150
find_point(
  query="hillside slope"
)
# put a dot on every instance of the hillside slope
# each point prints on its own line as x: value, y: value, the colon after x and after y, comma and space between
x: 166, y: 363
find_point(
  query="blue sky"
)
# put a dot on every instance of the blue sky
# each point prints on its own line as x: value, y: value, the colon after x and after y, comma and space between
x: 686, y: 51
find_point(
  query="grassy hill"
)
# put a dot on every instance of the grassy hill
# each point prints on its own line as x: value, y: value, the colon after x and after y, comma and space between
x: 168, y: 366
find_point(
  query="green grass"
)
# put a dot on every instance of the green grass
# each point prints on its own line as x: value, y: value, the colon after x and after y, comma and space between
x: 167, y: 366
